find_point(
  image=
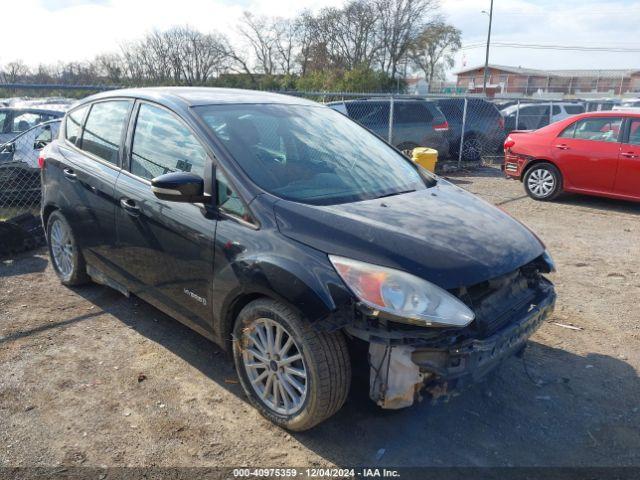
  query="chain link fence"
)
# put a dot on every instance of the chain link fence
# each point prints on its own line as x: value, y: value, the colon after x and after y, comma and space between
x: 466, y: 131
x: 20, y: 227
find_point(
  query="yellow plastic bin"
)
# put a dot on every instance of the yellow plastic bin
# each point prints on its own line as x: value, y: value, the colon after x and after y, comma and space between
x: 425, y: 157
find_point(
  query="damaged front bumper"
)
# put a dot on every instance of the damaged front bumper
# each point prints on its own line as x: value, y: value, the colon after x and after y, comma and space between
x: 400, y: 368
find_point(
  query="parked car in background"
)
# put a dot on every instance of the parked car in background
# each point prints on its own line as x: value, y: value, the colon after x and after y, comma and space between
x: 15, y: 120
x: 26, y: 146
x: 416, y: 122
x: 19, y: 172
x: 631, y: 102
x: 292, y: 237
x: 484, y: 127
x: 531, y: 116
x: 595, y: 153
x: 601, y: 105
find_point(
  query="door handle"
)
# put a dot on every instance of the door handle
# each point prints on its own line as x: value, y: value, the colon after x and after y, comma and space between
x: 629, y: 155
x: 562, y: 146
x: 69, y: 174
x: 130, y: 207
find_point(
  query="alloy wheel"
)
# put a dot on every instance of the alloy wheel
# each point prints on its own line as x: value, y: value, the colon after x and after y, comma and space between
x: 275, y: 366
x: 61, y: 248
x: 541, y: 182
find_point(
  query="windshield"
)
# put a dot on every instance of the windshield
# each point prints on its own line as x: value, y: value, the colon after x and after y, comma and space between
x: 310, y: 154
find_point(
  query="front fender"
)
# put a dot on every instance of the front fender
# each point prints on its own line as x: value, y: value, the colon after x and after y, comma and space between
x: 296, y: 274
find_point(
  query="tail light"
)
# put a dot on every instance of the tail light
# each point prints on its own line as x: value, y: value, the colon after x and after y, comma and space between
x: 441, y: 127
x: 40, y: 161
x: 508, y: 143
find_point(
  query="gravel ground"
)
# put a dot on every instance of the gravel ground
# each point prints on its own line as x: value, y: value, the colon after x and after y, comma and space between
x: 89, y: 377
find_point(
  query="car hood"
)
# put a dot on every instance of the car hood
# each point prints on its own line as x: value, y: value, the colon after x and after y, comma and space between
x: 442, y: 234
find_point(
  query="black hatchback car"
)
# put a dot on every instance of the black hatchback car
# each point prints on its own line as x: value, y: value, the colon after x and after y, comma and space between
x: 292, y: 237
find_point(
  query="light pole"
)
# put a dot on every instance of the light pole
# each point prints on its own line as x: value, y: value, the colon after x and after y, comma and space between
x: 486, y: 58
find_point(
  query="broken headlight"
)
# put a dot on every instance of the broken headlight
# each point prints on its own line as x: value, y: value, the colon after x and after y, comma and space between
x: 401, y: 294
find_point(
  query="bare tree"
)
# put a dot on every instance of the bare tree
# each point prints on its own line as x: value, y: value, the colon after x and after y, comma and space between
x: 258, y: 33
x: 15, y: 71
x: 401, y: 21
x: 433, y: 51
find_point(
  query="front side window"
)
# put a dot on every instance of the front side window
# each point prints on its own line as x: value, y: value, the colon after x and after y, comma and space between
x: 162, y: 144
x: 602, y: 129
x: 310, y: 154
x: 104, y: 128
x: 73, y: 124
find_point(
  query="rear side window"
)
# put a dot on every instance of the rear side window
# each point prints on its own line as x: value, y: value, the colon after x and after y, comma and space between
x: 73, y: 124
x: 25, y: 121
x: 574, y: 109
x: 104, y: 128
x: 369, y: 114
x: 162, y: 143
x: 409, y: 112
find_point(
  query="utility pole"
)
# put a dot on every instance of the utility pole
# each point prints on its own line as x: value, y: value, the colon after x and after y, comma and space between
x: 486, y: 59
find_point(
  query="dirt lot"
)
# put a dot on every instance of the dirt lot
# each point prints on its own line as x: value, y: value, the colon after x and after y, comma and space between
x: 71, y: 391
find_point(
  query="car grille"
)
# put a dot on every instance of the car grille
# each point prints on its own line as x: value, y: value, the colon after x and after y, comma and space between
x: 497, y: 302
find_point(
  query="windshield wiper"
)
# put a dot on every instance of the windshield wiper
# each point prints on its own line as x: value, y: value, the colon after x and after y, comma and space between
x: 395, y: 193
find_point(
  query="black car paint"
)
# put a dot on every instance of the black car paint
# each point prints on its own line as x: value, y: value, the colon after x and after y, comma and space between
x: 172, y: 254
x: 483, y: 122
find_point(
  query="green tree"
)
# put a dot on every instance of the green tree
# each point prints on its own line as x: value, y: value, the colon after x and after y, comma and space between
x: 433, y: 50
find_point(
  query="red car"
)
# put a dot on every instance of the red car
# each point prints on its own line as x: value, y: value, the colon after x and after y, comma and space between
x: 596, y: 153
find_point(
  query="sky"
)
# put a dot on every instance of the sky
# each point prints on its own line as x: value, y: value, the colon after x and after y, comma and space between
x: 67, y: 30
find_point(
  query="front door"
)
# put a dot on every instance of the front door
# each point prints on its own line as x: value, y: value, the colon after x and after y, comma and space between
x: 628, y: 177
x: 587, y: 153
x: 165, y: 249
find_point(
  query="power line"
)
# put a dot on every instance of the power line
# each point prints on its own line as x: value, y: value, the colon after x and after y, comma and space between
x: 534, y: 46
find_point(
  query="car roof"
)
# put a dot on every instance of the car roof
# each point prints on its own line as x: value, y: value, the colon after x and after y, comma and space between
x: 33, y: 109
x: 199, y: 96
x: 610, y: 113
x: 380, y: 100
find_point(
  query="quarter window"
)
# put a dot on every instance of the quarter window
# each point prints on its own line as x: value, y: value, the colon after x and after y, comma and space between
x: 73, y: 124
x: 163, y: 144
x: 228, y: 200
x: 104, y: 129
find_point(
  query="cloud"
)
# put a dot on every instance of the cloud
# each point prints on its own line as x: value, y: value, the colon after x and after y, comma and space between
x: 48, y: 31
x: 570, y: 22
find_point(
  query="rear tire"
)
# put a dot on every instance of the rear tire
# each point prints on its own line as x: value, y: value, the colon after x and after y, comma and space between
x: 66, y: 257
x: 543, y: 182
x: 315, y: 385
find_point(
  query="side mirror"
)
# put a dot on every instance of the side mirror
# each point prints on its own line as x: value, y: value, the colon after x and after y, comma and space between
x: 8, y: 148
x: 179, y: 187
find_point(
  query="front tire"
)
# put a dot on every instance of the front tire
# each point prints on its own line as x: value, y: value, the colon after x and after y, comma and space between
x: 65, y: 255
x: 294, y: 375
x: 543, y: 182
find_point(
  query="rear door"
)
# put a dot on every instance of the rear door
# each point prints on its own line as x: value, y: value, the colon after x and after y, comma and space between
x: 587, y: 153
x: 628, y: 176
x: 90, y: 164
x: 165, y: 249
